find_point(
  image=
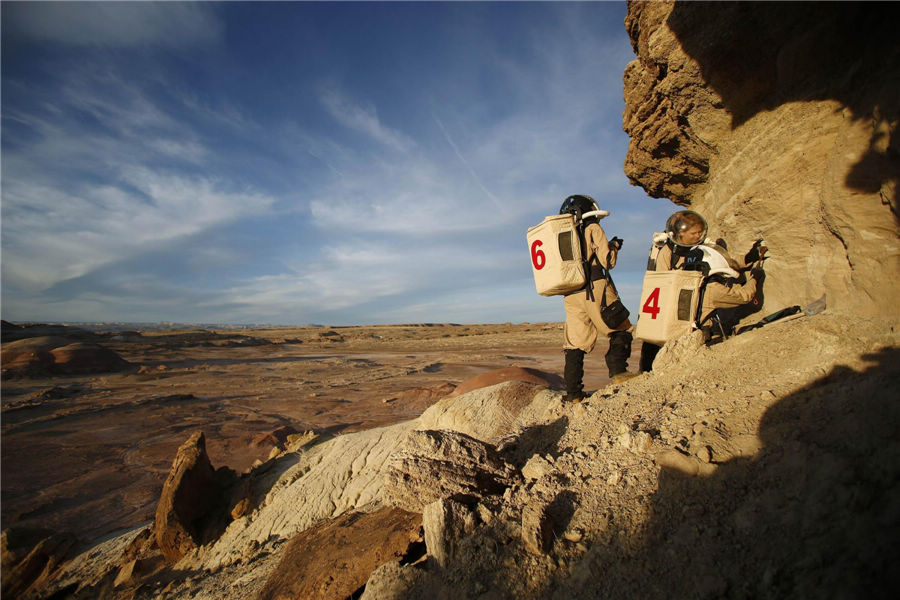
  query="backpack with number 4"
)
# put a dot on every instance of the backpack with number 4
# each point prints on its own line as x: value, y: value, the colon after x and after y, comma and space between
x: 669, y: 302
x: 556, y: 259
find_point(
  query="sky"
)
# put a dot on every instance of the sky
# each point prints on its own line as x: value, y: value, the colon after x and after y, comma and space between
x: 292, y: 163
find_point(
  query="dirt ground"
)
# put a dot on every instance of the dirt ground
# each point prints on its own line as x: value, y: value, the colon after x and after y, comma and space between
x: 89, y: 454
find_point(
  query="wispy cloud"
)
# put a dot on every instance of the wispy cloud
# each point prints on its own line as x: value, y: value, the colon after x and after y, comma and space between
x: 468, y: 166
x: 98, y: 170
x: 363, y: 118
x: 51, y: 235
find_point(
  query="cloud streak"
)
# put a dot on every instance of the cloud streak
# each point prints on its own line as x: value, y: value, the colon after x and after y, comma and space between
x: 363, y: 119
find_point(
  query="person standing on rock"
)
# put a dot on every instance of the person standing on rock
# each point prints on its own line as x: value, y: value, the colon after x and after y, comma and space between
x: 586, y: 308
x: 679, y: 248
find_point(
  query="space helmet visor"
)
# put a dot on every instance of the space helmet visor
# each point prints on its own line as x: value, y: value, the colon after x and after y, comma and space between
x: 686, y: 228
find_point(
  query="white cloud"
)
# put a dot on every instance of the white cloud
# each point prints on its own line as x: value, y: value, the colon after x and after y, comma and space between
x: 363, y: 119
x: 52, y: 235
x: 171, y: 24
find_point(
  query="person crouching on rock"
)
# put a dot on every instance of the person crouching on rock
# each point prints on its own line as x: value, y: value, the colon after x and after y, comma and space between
x: 586, y: 308
x: 727, y: 283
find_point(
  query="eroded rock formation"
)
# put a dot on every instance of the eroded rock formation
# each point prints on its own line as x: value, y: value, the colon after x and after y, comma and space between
x: 776, y: 120
x: 194, y: 506
x: 438, y: 464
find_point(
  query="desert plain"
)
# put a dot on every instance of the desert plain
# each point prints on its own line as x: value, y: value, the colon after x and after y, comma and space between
x: 88, y: 454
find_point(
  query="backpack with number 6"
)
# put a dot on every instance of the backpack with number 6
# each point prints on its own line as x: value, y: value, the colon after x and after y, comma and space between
x: 669, y: 302
x: 556, y: 260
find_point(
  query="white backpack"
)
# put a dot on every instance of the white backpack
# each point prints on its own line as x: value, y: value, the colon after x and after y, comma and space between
x: 669, y: 299
x: 669, y: 302
x: 556, y: 259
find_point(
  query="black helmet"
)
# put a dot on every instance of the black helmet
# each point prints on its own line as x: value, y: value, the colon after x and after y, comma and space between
x: 578, y: 204
x: 582, y: 207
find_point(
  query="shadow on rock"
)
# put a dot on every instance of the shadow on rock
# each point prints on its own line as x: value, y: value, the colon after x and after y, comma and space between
x: 538, y: 439
x: 760, y: 55
x: 815, y: 514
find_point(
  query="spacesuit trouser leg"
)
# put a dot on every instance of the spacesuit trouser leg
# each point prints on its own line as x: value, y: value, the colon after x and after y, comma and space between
x: 618, y: 353
x: 648, y: 354
x: 573, y: 374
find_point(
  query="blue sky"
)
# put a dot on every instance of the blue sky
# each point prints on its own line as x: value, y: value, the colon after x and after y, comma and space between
x: 292, y: 163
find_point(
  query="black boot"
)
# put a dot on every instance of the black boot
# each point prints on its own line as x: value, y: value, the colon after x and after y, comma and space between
x: 618, y: 353
x: 573, y: 374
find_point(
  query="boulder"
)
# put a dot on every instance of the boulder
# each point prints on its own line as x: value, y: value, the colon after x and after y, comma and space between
x: 438, y: 464
x: 491, y: 413
x: 334, y: 559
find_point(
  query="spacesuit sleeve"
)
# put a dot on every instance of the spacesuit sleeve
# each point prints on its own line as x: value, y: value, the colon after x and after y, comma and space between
x: 724, y: 296
x: 597, y: 244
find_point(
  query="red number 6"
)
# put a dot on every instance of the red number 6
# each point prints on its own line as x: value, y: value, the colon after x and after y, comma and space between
x: 538, y: 258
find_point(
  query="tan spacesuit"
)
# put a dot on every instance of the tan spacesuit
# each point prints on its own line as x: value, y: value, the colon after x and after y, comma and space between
x: 584, y: 323
x: 684, y: 242
x: 720, y: 293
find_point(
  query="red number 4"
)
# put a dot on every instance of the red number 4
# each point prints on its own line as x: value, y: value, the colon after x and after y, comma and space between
x: 651, y: 306
x: 538, y: 258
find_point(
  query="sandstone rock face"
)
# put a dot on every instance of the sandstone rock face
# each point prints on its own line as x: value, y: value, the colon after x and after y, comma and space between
x: 776, y: 121
x: 351, y: 472
x: 438, y: 464
x: 445, y: 522
x: 333, y: 559
x: 193, y: 504
x: 491, y: 413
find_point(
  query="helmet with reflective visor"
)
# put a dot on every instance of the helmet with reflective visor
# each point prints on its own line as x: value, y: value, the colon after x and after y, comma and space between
x: 686, y: 228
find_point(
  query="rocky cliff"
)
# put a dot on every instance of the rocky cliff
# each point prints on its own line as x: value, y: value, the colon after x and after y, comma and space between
x: 776, y: 120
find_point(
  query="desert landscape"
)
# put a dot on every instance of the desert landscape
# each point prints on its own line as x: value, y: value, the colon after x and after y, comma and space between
x: 441, y: 461
x: 88, y: 453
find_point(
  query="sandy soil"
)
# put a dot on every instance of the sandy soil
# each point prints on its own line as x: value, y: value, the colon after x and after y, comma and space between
x: 89, y: 454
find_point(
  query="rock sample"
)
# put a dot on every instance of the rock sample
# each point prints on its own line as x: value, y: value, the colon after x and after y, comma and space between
x: 193, y: 508
x: 334, y: 559
x: 776, y: 121
x: 537, y: 528
x: 438, y: 464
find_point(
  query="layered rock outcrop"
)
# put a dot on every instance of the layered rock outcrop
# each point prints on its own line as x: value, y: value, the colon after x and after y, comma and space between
x: 776, y: 121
